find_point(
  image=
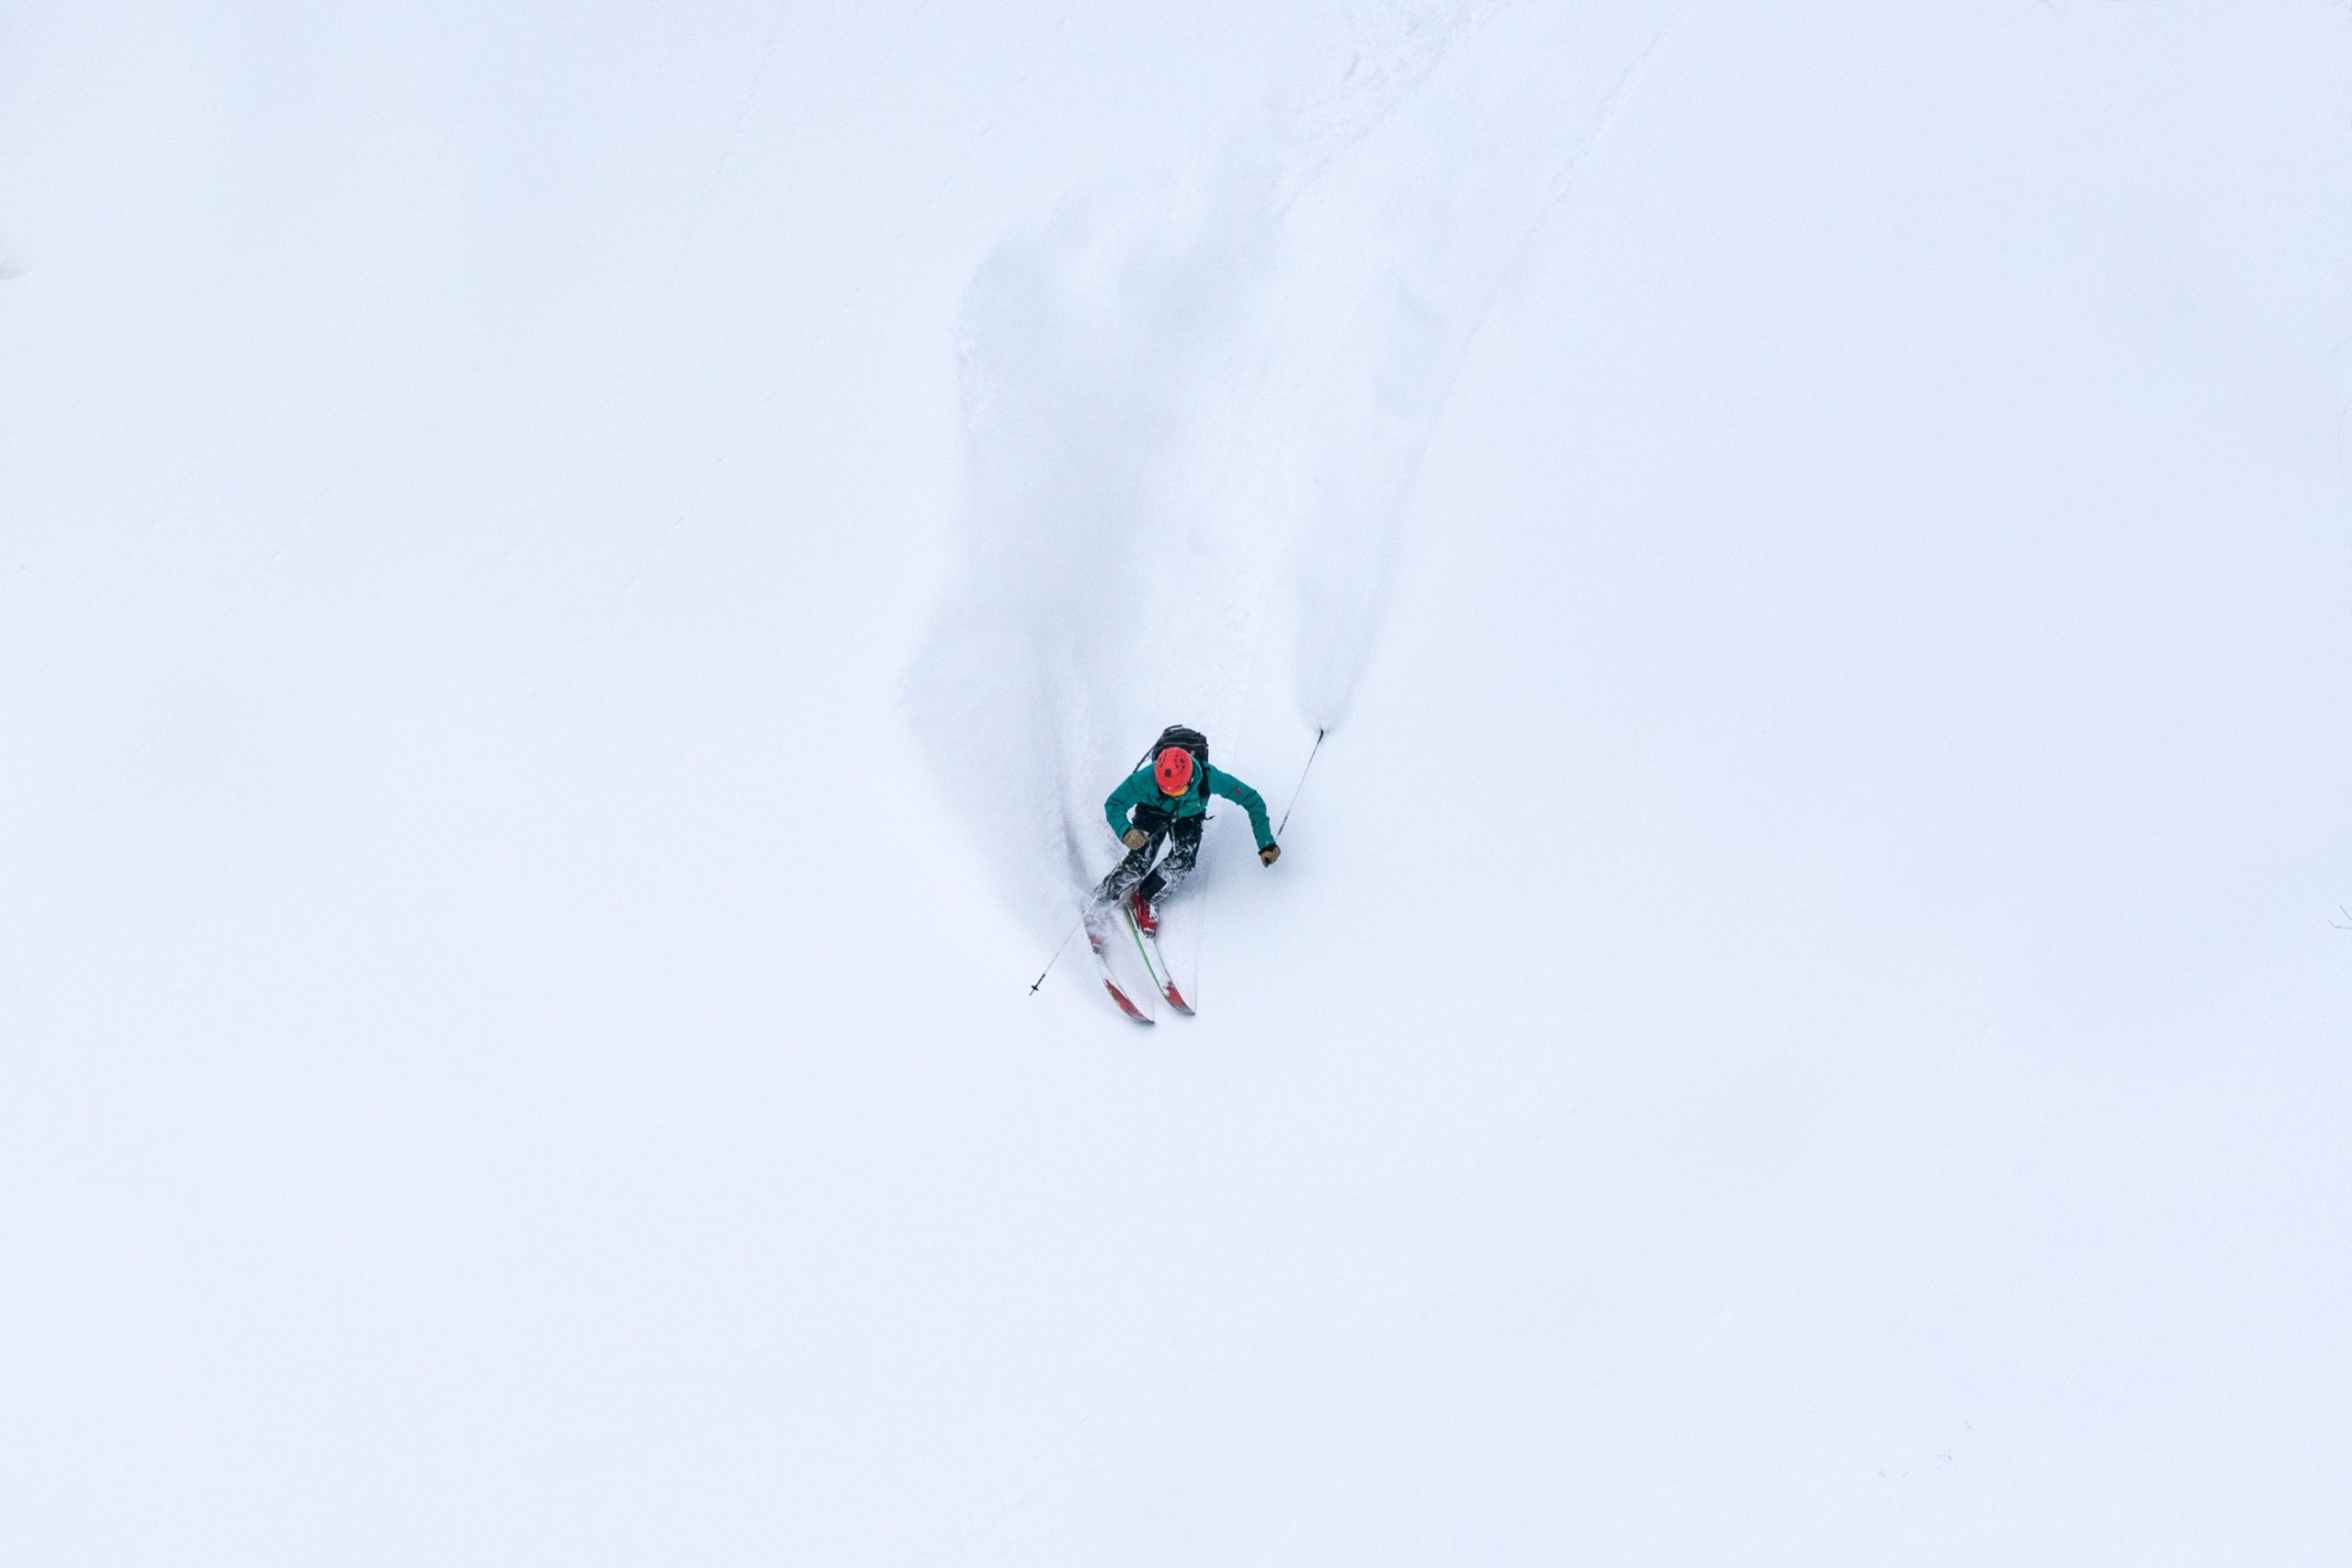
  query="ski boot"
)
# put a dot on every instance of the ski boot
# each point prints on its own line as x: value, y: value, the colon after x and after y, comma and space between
x: 1146, y: 918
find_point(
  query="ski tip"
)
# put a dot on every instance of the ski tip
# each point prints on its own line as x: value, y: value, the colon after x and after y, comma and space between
x: 1176, y: 1001
x: 1125, y: 1006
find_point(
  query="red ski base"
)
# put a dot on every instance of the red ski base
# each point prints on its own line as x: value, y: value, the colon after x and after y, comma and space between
x: 1125, y: 1006
x: 1103, y: 964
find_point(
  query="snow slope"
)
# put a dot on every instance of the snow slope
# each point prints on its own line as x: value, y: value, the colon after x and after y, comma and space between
x: 571, y: 583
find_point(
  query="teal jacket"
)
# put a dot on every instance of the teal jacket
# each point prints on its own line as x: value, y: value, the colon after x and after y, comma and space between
x: 1142, y: 789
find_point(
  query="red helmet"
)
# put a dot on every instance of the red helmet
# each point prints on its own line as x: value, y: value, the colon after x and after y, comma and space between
x: 1174, y: 771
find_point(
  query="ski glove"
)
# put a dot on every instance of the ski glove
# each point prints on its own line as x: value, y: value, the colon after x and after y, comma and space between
x: 1135, y: 837
x: 1270, y: 855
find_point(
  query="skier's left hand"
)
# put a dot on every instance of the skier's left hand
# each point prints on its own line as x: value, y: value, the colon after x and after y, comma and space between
x: 1270, y: 855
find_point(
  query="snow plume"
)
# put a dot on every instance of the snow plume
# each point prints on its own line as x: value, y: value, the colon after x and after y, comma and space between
x: 1106, y: 362
x: 1170, y: 391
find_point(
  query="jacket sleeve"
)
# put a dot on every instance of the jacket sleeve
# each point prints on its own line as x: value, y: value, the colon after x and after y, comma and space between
x: 1249, y: 800
x: 1125, y: 799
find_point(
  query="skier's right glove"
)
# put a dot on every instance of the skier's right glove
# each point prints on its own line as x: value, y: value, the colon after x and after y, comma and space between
x: 1270, y: 855
x: 1135, y: 837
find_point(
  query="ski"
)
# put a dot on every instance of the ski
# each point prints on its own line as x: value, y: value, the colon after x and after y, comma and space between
x: 1155, y: 963
x: 1100, y: 946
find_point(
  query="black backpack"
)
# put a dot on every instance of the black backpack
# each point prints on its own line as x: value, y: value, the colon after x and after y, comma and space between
x: 1192, y: 740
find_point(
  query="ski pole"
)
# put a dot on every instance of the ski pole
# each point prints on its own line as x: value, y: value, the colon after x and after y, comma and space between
x: 1296, y: 788
x: 1056, y: 958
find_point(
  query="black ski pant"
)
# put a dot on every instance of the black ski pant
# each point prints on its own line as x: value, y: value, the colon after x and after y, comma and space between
x: 1182, y: 835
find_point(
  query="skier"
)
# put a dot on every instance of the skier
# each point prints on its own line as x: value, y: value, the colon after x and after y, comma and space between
x: 1169, y: 798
